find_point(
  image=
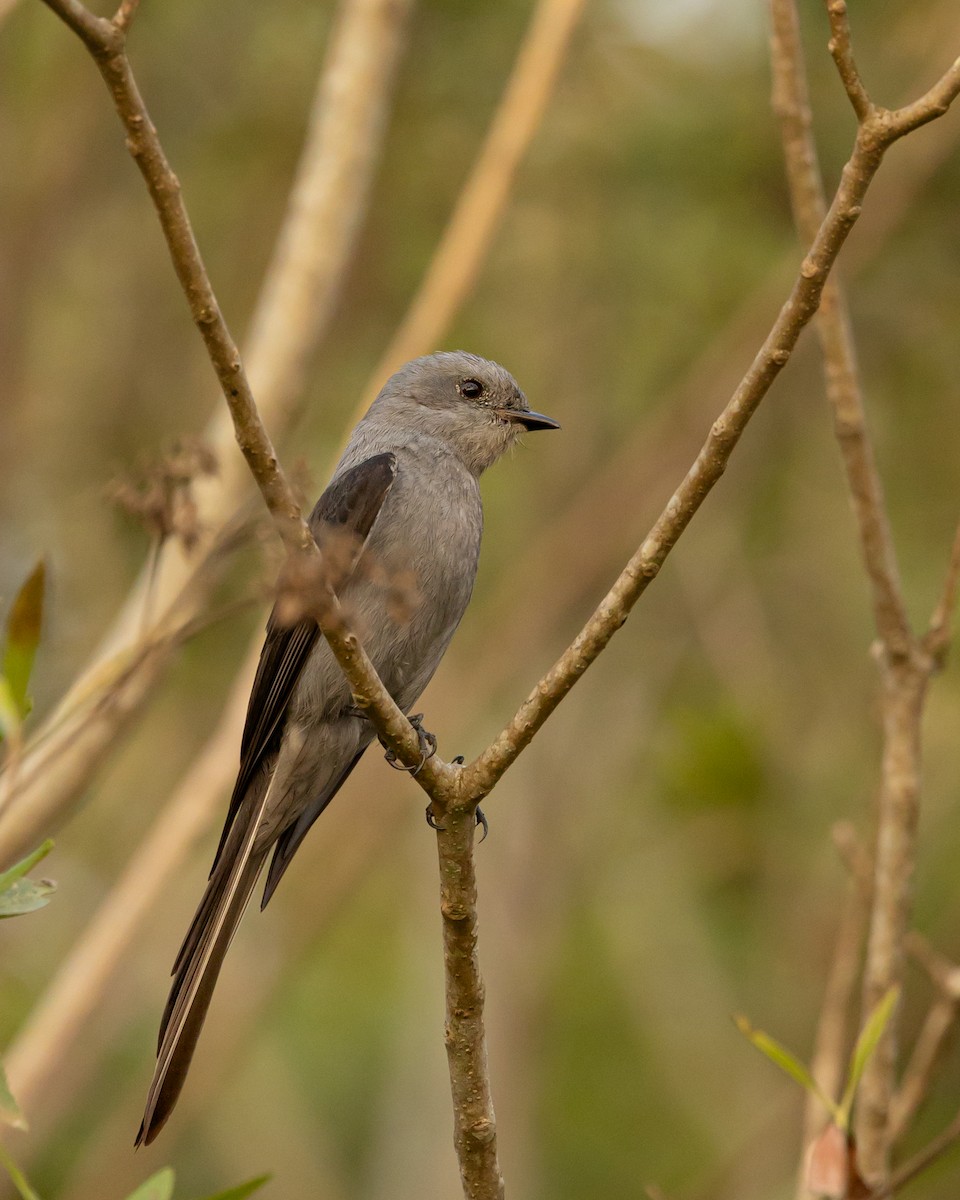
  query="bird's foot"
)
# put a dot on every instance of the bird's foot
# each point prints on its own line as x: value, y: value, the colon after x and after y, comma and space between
x: 428, y: 747
x: 481, y: 820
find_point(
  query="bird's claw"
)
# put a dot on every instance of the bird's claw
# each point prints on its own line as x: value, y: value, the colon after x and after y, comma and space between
x: 428, y: 747
x: 481, y: 820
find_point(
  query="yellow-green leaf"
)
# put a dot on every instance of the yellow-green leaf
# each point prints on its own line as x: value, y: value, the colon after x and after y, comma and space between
x: 242, y: 1190
x: 870, y: 1035
x: 18, y: 870
x: 19, y: 895
x: 780, y: 1056
x: 157, y: 1187
x: 24, y: 625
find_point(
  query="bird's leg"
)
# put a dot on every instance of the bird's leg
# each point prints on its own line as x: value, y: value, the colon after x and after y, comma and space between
x: 428, y: 746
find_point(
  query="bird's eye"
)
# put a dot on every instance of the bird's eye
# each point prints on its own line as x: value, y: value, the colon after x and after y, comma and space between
x: 472, y: 389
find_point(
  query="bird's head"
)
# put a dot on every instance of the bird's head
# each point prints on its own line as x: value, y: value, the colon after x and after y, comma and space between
x: 473, y: 405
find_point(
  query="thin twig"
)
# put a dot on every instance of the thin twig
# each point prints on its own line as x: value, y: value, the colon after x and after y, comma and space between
x: 937, y: 1027
x: 792, y: 107
x: 842, y: 51
x: 937, y: 640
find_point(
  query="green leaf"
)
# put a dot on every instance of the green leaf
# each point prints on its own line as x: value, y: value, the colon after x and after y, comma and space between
x: 25, y: 896
x: 19, y: 895
x: 870, y: 1035
x: 242, y: 1190
x: 157, y: 1187
x: 781, y: 1057
x: 10, y: 1113
x: 25, y: 864
x: 24, y: 1189
x: 23, y: 637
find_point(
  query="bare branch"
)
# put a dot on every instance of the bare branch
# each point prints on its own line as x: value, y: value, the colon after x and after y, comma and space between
x: 123, y: 17
x: 791, y: 104
x: 927, y: 1053
x: 937, y: 639
x: 475, y: 1128
x: 923, y: 1158
x: 839, y: 46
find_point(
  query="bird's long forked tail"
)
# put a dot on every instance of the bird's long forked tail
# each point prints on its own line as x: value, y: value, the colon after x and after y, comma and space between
x: 197, y: 969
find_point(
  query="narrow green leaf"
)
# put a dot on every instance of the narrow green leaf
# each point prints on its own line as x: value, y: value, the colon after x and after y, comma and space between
x: 18, y: 870
x: 23, y: 636
x: 780, y: 1056
x: 24, y: 1189
x: 157, y: 1187
x: 10, y: 1113
x: 242, y: 1190
x: 870, y: 1035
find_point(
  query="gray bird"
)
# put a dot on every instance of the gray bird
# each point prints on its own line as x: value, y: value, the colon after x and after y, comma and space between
x: 400, y: 527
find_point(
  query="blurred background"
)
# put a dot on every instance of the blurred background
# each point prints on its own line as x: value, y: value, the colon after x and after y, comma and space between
x: 660, y: 857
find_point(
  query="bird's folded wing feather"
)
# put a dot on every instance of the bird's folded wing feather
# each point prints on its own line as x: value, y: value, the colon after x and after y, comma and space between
x: 341, y: 522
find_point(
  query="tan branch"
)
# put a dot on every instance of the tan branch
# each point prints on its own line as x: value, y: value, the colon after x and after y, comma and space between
x: 475, y: 1129
x: 937, y: 640
x: 791, y: 104
x: 937, y: 1027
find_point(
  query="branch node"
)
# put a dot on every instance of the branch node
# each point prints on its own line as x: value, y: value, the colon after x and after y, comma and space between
x: 483, y: 1131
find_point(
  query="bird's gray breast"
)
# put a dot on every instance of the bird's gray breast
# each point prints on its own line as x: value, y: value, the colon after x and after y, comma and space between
x: 413, y: 581
x: 417, y: 572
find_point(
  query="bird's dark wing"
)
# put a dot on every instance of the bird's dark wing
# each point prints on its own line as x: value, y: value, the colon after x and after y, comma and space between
x: 341, y: 522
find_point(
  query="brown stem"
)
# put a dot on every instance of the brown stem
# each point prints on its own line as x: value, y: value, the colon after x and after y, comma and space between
x: 937, y: 640
x: 928, y: 1049
x: 475, y: 1127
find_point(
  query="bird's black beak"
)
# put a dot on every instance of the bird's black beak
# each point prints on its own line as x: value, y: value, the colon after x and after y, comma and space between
x: 529, y: 420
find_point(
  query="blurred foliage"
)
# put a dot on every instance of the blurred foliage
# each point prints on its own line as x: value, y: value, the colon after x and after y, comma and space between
x: 661, y: 856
